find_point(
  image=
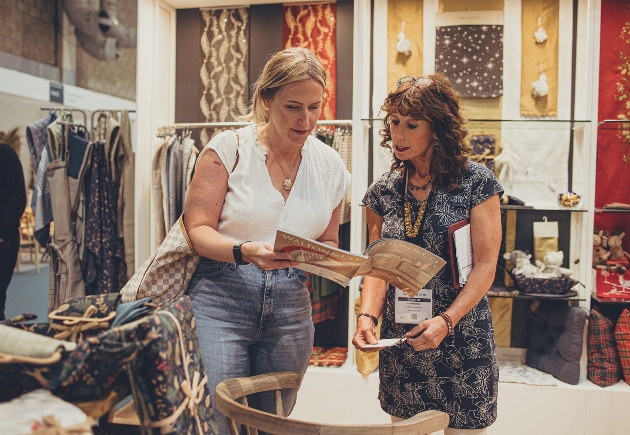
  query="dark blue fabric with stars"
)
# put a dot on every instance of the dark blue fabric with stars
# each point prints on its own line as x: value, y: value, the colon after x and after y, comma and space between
x: 472, y: 58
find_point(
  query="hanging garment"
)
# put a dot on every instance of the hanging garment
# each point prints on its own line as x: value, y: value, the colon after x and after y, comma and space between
x: 66, y: 280
x: 171, y: 182
x: 189, y: 158
x: 157, y: 189
x: 342, y: 143
x: 126, y: 197
x: 37, y: 140
x: 101, y: 258
x: 79, y: 153
x: 107, y: 130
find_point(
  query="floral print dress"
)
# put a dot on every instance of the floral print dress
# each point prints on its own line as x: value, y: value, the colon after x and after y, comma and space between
x: 460, y: 377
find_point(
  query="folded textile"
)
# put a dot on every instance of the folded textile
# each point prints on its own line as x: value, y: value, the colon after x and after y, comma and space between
x: 38, y: 410
x: 16, y: 344
x: 328, y: 357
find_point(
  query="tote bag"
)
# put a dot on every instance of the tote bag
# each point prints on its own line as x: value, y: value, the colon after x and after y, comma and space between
x: 167, y: 273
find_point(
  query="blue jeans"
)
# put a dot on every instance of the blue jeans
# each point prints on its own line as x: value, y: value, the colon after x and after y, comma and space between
x: 249, y: 322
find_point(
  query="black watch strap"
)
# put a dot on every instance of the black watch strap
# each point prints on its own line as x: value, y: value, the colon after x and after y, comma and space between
x: 238, y: 256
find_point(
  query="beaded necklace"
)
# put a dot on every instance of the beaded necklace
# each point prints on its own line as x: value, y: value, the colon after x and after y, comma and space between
x: 412, y: 230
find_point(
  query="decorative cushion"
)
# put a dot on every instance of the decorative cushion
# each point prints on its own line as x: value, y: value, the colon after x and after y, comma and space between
x: 555, y: 339
x: 603, y: 360
x: 328, y: 357
x: 622, y: 336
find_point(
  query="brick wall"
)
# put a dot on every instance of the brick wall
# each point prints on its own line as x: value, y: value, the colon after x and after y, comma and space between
x: 113, y: 78
x: 28, y: 29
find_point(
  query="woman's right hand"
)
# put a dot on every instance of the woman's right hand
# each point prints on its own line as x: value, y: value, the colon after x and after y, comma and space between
x: 262, y: 255
x: 365, y: 335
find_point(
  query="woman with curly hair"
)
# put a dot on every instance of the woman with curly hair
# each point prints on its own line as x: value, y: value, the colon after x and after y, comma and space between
x: 447, y: 361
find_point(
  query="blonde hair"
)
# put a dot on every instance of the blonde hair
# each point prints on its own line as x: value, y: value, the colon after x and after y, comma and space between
x: 284, y: 67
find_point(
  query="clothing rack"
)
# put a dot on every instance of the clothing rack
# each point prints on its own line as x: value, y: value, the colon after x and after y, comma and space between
x: 62, y: 109
x: 242, y: 124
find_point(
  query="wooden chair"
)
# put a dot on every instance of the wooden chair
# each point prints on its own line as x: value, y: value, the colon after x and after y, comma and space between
x: 231, y: 400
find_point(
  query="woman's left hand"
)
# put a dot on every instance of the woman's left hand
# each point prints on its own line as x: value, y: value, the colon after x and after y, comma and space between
x: 428, y: 334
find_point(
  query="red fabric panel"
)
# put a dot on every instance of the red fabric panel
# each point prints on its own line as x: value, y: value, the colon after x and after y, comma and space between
x: 314, y: 27
x: 613, y: 175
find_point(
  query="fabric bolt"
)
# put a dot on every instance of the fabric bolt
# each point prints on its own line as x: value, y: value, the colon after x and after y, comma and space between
x: 225, y: 48
x: 603, y: 367
x: 622, y: 337
x: 314, y: 26
x: 126, y: 200
x: 320, y: 184
x: 471, y: 56
x: 460, y: 377
x: 251, y: 321
x: 101, y: 258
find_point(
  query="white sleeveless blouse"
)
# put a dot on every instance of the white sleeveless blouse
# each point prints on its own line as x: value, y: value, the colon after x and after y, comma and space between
x: 254, y: 209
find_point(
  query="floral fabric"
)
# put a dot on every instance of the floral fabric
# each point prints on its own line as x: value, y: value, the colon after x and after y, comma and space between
x: 544, y: 286
x: 459, y: 377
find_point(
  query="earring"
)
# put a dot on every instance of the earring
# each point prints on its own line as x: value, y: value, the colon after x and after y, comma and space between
x: 435, y: 143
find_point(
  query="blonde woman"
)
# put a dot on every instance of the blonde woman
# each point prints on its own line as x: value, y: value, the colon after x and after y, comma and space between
x: 252, y: 308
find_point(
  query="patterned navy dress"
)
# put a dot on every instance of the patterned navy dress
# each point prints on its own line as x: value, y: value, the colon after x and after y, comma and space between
x: 459, y: 377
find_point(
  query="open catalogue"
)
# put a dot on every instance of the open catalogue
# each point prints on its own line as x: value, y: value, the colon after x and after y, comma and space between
x: 402, y: 264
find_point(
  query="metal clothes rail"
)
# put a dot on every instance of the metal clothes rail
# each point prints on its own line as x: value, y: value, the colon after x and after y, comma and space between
x: 241, y: 124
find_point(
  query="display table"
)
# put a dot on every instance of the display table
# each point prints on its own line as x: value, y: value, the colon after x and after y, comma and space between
x: 343, y: 395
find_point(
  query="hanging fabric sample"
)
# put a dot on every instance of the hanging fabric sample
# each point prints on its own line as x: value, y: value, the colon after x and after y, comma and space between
x: 314, y: 26
x: 469, y: 51
x: 539, y: 58
x: 224, y: 43
x: 126, y: 198
x: 37, y: 140
x: 342, y: 143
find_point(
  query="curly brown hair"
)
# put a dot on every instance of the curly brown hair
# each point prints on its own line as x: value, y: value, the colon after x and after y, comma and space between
x: 437, y: 104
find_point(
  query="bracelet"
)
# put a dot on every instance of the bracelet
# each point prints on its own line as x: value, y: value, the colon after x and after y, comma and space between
x: 449, y: 322
x: 374, y: 319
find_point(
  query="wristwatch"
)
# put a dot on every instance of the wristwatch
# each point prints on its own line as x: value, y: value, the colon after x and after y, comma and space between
x: 238, y: 256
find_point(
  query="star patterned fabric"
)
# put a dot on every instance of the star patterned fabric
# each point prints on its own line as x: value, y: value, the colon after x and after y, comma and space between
x: 472, y: 58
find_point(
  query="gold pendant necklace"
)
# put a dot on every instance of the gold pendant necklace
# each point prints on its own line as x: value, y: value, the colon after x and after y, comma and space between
x: 412, y: 230
x: 287, y: 184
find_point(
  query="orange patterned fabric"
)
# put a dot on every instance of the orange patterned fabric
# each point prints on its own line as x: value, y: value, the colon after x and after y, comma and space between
x: 314, y: 26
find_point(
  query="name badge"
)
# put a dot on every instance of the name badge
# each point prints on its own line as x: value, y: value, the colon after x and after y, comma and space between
x: 413, y: 310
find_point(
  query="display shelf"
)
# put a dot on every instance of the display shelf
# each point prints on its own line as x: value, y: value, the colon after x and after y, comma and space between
x: 611, y: 210
x: 531, y: 208
x: 610, y: 300
x: 550, y: 121
x: 530, y: 297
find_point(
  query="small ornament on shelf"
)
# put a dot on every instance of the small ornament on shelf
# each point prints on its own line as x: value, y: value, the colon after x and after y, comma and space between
x: 540, y: 35
x: 403, y: 45
x: 540, y: 88
x: 569, y: 199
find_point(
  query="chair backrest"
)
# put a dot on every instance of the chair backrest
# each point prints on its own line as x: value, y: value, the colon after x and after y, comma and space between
x: 231, y: 400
